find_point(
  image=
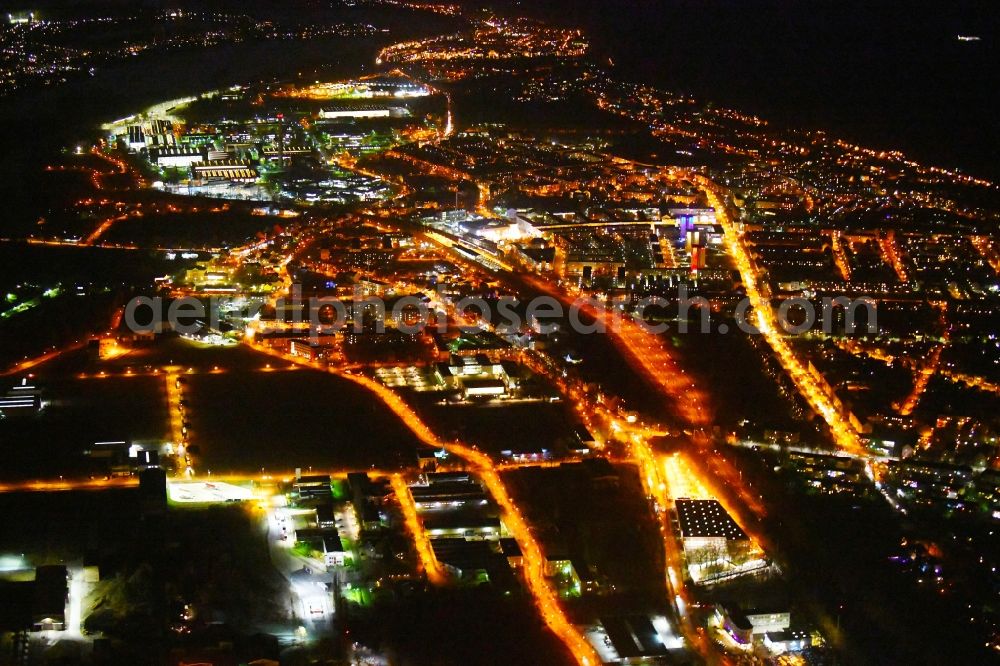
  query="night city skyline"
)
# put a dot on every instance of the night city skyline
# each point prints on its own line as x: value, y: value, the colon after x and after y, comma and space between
x: 405, y: 332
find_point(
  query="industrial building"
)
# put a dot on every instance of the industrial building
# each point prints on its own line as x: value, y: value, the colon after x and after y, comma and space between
x: 314, y: 487
x: 455, y: 505
x: 224, y: 169
x: 367, y: 497
x: 272, y: 152
x: 715, y: 547
x: 705, y: 523
x: 634, y: 639
x: 355, y: 111
x: 747, y: 626
x: 452, y: 490
x: 181, y: 157
x: 475, y: 376
x: 325, y: 540
x: 22, y: 398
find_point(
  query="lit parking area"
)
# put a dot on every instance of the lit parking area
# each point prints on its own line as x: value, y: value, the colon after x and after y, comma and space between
x: 207, y: 492
x: 598, y: 638
x: 308, y: 579
x: 408, y: 377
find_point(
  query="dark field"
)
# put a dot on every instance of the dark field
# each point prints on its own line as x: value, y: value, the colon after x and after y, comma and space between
x: 497, y: 427
x: 582, y: 517
x: 733, y: 370
x: 203, y: 229
x: 325, y: 422
x: 81, y: 412
x: 458, y: 627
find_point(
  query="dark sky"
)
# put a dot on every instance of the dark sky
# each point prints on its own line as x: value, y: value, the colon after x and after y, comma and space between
x: 888, y: 73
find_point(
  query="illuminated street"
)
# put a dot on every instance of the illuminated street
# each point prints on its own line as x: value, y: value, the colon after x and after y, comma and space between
x: 812, y: 387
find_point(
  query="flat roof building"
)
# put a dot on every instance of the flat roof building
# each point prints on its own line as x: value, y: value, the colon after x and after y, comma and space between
x: 464, y: 558
x: 326, y: 541
x: 469, y: 524
x: 176, y: 156
x: 448, y: 494
x: 635, y: 640
x: 747, y: 625
x: 224, y: 169
x: 354, y: 111
x: 313, y: 487
x: 706, y: 519
x: 475, y: 388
